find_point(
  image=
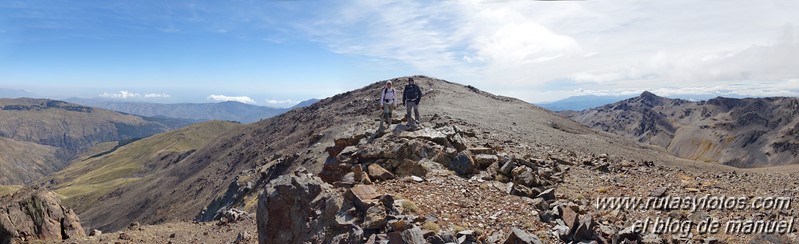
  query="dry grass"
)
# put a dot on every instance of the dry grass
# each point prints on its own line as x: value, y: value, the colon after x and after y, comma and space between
x: 409, y: 206
x: 8, y: 189
x: 431, y: 226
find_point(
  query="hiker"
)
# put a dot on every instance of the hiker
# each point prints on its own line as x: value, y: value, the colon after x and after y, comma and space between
x: 410, y: 98
x: 388, y: 100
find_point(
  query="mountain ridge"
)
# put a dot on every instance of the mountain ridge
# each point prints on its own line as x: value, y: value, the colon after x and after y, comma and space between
x: 229, y: 110
x: 63, y: 130
x: 748, y: 132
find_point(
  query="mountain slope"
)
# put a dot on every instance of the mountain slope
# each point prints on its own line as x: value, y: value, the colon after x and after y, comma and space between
x: 92, y: 179
x: 231, y: 111
x: 25, y: 161
x: 224, y: 172
x: 53, y: 132
x: 751, y: 132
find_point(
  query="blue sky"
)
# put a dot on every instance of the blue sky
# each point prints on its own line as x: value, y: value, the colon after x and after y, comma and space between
x: 277, y: 53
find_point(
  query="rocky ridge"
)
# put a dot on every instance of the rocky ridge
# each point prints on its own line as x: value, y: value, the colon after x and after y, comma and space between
x: 375, y: 182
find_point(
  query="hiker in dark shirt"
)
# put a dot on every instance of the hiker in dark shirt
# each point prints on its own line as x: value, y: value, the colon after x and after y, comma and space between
x: 410, y: 98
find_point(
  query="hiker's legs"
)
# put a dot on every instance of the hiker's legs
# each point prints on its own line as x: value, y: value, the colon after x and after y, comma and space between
x: 387, y: 114
x: 383, y: 116
x: 416, y: 111
x: 408, y: 108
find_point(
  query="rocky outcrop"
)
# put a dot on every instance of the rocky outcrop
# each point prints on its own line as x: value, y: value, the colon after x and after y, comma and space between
x: 36, y: 214
x: 301, y: 208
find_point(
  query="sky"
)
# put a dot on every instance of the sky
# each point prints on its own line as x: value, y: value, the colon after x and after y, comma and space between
x: 280, y: 52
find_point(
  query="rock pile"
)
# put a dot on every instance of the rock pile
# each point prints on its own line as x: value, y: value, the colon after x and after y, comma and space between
x: 348, y: 208
x: 36, y: 214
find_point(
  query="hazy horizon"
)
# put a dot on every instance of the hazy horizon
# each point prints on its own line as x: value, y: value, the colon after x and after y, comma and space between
x: 278, y: 53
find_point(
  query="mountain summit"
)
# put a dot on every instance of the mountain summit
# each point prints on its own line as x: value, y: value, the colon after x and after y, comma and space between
x: 202, y: 183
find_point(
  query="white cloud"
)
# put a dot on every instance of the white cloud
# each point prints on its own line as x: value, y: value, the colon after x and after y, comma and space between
x: 282, y: 102
x: 530, y: 47
x: 156, y: 95
x: 129, y: 94
x: 223, y: 98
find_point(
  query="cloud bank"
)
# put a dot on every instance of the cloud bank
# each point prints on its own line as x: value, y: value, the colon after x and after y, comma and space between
x: 223, y: 98
x: 282, y: 102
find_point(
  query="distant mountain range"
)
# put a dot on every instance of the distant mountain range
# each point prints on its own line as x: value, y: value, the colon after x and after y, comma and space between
x: 228, y: 111
x: 578, y: 103
x: 750, y: 132
x: 14, y: 93
x: 39, y: 136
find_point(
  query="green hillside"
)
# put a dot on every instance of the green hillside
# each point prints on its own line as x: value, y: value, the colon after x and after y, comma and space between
x: 88, y: 180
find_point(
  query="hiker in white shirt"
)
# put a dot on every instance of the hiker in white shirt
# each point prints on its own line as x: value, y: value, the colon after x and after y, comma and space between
x: 388, y: 101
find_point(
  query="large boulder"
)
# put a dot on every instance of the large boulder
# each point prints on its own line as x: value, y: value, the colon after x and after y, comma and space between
x: 299, y: 208
x: 379, y: 173
x: 426, y: 134
x: 463, y: 164
x: 411, y: 168
x: 36, y: 214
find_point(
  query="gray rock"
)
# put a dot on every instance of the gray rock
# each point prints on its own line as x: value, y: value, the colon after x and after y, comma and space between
x: 658, y: 192
x: 448, y: 237
x: 352, y: 235
x: 34, y: 213
x: 518, y: 236
x: 585, y: 229
x: 243, y: 237
x: 428, y: 134
x: 411, y: 168
x: 413, y: 236
x: 548, y: 194
x: 463, y: 164
x: 95, y: 232
x: 467, y: 236
x: 540, y: 204
x: 652, y: 239
x: 485, y: 160
x: 561, y: 230
x: 523, y: 191
x: 507, y: 167
x: 375, y: 217
x: 457, y: 141
x: 435, y: 239
x: 527, y: 178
